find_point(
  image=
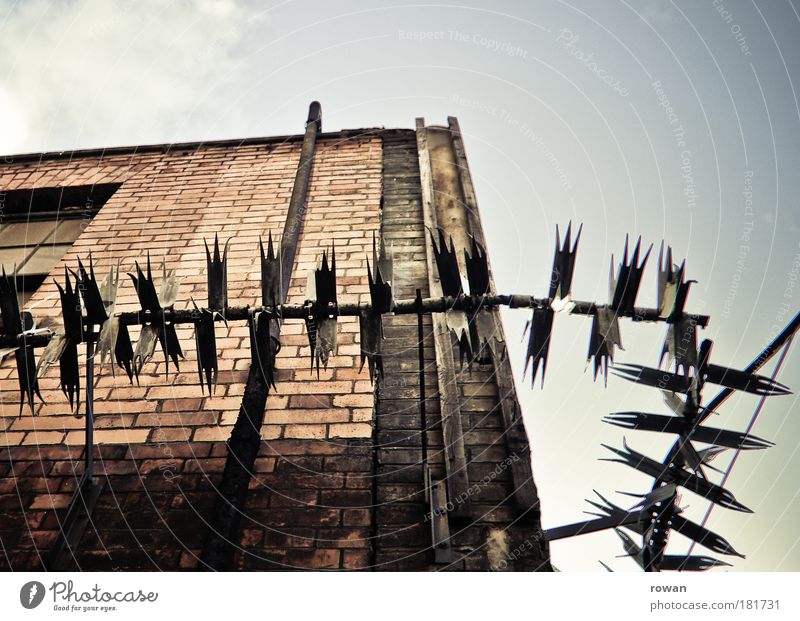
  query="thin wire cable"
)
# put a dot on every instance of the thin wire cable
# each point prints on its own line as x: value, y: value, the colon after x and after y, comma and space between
x: 750, y: 425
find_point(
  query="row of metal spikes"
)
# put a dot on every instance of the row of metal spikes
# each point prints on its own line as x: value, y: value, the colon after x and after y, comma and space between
x: 659, y: 512
x: 672, y: 291
x: 86, y: 304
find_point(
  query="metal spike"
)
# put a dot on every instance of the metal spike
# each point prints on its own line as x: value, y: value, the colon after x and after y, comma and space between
x: 679, y: 476
x: 447, y: 266
x: 217, y: 276
x: 159, y: 329
x: 671, y: 562
x: 145, y: 347
x: 563, y: 265
x: 477, y: 269
x: 123, y: 353
x: 680, y: 345
x: 679, y: 425
x: 666, y: 276
x: 270, y: 274
x: 371, y: 331
x: 629, y: 277
x: 73, y: 331
x: 262, y: 347
x: 380, y: 289
x: 92, y: 299
x: 604, y: 338
x: 541, y: 328
x: 51, y: 354
x: 16, y: 323
x: 703, y: 536
x: 206, y: 343
x: 321, y: 323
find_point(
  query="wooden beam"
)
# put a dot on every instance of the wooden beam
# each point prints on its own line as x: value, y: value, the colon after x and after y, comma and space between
x: 452, y: 431
x: 525, y: 494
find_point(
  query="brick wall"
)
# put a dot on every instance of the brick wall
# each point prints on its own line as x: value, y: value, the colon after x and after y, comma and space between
x: 338, y: 483
x: 168, y: 205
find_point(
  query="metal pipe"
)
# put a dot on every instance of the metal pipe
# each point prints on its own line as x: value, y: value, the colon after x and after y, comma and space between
x: 245, y: 440
x: 89, y: 471
x: 353, y: 309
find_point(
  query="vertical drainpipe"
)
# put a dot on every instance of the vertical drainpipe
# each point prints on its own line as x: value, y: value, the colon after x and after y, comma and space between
x: 223, y: 539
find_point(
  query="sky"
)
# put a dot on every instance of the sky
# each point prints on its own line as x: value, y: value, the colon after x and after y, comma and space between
x: 676, y: 121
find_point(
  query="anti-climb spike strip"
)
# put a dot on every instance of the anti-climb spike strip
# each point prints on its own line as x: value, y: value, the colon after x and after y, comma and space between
x: 652, y: 518
x: 206, y: 343
x: 680, y: 426
x: 321, y: 324
x: 671, y: 291
x: 560, y: 295
x: 217, y: 277
x: 679, y: 476
x: 73, y: 335
x: 605, y: 337
x: 159, y: 329
x: 485, y: 331
x: 270, y: 274
x: 263, y: 347
x: 452, y: 286
x: 541, y: 328
x: 447, y: 266
x: 15, y: 324
x: 715, y: 374
x: 564, y: 265
x: 114, y: 336
x: 369, y: 319
x: 204, y: 327
x: 477, y: 269
x: 625, y: 287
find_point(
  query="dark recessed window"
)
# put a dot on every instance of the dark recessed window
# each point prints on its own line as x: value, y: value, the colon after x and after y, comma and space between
x: 38, y: 226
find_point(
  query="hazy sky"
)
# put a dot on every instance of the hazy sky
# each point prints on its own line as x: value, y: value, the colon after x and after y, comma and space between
x: 671, y: 120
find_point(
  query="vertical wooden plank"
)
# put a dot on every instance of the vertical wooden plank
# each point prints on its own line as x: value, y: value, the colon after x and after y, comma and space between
x: 452, y: 431
x: 525, y: 494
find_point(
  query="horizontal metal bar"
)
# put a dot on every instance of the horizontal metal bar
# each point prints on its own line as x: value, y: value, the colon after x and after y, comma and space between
x: 353, y: 309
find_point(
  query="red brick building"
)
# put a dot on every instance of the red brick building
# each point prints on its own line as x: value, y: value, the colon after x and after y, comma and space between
x: 343, y: 474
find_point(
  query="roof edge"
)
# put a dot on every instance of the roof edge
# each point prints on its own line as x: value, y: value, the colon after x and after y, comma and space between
x: 344, y: 134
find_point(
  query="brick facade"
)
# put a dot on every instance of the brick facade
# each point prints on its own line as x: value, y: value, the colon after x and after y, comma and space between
x: 338, y: 483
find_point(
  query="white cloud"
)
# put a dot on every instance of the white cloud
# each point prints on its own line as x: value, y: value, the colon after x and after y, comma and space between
x: 94, y: 73
x: 13, y: 125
